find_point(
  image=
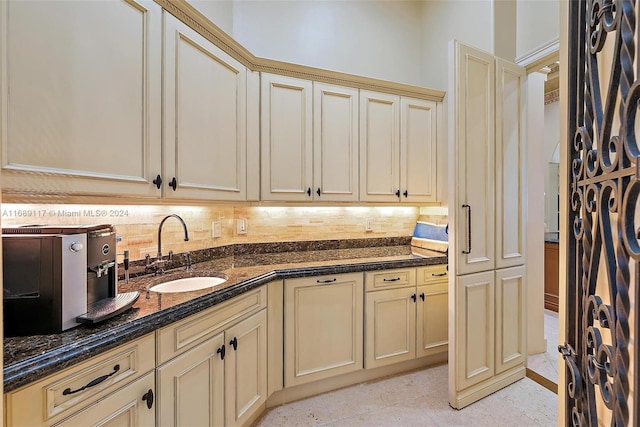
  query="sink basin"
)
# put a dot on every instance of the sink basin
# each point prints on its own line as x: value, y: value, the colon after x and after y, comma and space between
x: 188, y: 284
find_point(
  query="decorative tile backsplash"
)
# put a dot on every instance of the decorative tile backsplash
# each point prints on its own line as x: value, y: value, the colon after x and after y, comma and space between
x: 138, y: 225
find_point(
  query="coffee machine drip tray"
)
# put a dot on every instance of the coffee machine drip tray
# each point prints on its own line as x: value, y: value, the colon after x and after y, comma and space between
x: 108, y: 307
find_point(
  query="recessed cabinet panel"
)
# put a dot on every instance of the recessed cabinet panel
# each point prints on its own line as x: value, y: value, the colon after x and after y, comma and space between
x: 391, y: 327
x: 510, y: 162
x: 379, y: 147
x: 475, y: 328
x: 84, y: 104
x: 474, y: 232
x: 432, y: 321
x: 191, y: 387
x: 323, y: 327
x: 510, y: 318
x: 246, y: 369
x: 205, y: 117
x: 418, y: 150
x: 286, y: 138
x: 335, y: 143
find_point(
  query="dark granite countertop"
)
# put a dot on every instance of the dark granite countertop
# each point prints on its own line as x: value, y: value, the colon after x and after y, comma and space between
x: 552, y: 236
x: 27, y: 359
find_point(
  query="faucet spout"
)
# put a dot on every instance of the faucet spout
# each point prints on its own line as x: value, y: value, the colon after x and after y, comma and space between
x: 186, y: 233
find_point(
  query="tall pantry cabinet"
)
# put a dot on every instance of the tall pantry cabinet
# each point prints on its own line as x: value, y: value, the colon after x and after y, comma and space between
x: 487, y: 243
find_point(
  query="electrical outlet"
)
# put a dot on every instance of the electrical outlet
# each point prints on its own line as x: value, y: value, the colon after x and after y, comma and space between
x: 241, y: 226
x: 216, y: 229
x: 368, y: 224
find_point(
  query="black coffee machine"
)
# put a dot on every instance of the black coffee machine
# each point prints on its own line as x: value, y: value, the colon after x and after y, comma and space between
x: 103, y: 301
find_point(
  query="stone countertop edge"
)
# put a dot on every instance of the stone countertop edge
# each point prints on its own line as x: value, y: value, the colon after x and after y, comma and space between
x: 50, y: 362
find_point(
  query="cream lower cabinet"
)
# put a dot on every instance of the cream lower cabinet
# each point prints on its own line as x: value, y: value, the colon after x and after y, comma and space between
x: 322, y: 327
x: 220, y: 382
x: 114, y: 388
x: 405, y: 314
x: 213, y: 365
x: 491, y: 316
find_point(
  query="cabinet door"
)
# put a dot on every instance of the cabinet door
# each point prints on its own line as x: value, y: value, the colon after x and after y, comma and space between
x: 390, y: 335
x: 511, y: 318
x: 473, y: 329
x: 432, y: 326
x: 379, y: 147
x: 286, y: 138
x: 335, y: 143
x: 323, y: 327
x: 124, y: 407
x: 204, y: 117
x: 510, y: 165
x: 83, y: 115
x: 418, y: 143
x: 472, y: 209
x: 246, y: 369
x: 191, y: 387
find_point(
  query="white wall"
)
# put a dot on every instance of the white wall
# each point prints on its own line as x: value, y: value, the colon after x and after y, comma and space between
x: 220, y: 12
x: 379, y: 39
x: 469, y: 21
x: 538, y: 23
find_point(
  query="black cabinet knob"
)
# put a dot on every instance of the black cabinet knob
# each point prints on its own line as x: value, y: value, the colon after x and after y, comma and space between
x: 309, y: 191
x: 398, y: 194
x: 148, y: 397
x: 318, y: 191
x: 221, y: 352
x: 413, y: 297
x: 405, y: 194
x: 157, y: 181
x: 234, y: 343
x: 174, y: 183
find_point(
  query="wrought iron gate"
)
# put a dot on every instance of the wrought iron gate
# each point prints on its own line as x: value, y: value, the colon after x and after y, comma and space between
x: 602, y: 236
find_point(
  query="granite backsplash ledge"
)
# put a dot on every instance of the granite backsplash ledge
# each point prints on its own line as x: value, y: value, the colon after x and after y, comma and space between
x: 247, y: 254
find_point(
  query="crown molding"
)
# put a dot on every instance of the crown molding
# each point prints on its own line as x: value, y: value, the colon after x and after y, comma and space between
x: 186, y: 13
x: 539, y: 57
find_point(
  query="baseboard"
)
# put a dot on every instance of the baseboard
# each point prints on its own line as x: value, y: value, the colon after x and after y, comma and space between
x: 485, y: 388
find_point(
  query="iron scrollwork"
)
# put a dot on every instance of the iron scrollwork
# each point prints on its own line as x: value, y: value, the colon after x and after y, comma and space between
x: 604, y: 179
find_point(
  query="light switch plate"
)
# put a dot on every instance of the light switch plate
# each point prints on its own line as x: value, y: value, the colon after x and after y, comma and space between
x: 216, y: 229
x: 241, y: 226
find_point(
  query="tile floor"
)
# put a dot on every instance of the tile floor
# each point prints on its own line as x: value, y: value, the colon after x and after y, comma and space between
x: 546, y: 364
x: 417, y: 398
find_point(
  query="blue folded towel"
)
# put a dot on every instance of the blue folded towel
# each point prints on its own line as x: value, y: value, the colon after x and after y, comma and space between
x: 431, y: 236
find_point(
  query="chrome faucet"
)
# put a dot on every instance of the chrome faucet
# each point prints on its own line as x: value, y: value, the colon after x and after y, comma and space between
x: 159, y: 262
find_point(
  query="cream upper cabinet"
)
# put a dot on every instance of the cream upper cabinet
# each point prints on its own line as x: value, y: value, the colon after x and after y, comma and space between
x: 205, y: 124
x: 379, y: 147
x: 322, y: 327
x: 418, y: 138
x: 286, y: 132
x: 335, y: 143
x: 398, y: 137
x: 82, y: 109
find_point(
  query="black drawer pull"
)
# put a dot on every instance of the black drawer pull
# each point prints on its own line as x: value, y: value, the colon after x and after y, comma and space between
x: 221, y: 352
x: 234, y: 343
x: 413, y: 297
x: 92, y: 383
x: 326, y: 281
x: 439, y: 274
x: 391, y: 280
x: 422, y: 296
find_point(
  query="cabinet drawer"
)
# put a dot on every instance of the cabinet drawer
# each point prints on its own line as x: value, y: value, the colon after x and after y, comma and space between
x: 433, y: 275
x: 386, y: 279
x: 49, y: 400
x: 181, y: 336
